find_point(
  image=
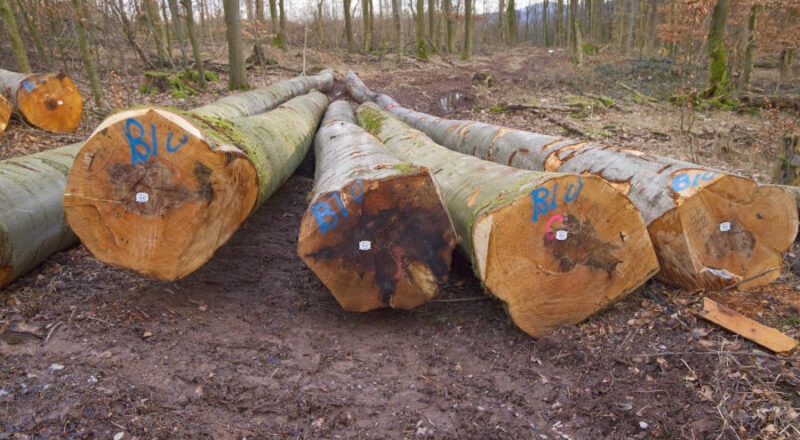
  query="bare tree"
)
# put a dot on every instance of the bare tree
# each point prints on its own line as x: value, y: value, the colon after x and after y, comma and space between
x: 20, y: 56
x: 233, y: 24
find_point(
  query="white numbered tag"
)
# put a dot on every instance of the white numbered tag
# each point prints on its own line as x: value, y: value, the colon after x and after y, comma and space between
x: 142, y: 197
x: 725, y: 226
x: 364, y: 245
x: 561, y: 235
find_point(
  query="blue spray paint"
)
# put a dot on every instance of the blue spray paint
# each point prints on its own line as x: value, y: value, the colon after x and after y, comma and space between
x: 545, y: 200
x: 327, y: 218
x: 140, y: 149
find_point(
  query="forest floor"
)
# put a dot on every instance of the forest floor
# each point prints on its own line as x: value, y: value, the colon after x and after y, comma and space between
x: 252, y: 345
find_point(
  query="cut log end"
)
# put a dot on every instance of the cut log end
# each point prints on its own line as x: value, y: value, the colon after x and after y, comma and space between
x: 148, y: 192
x: 732, y: 232
x: 5, y: 112
x: 50, y: 101
x: 584, y: 247
x: 379, y: 243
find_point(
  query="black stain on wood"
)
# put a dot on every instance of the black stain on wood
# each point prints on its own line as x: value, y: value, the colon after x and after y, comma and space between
x: 581, y: 247
x: 155, y: 180
x: 202, y: 174
x: 736, y: 240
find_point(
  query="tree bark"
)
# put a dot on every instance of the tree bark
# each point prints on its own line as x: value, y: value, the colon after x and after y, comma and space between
x: 556, y: 248
x: 6, y: 108
x: 419, y: 30
x: 273, y: 16
x: 511, y: 16
x: 710, y: 229
x: 575, y: 30
x: 32, y: 225
x: 198, y: 59
x: 260, y: 16
x: 450, y: 25
x: 176, y: 26
x: 159, y: 192
x: 501, y: 22
x: 397, y: 20
x: 366, y: 20
x: 466, y: 54
x: 749, y: 52
x: 376, y: 231
x: 717, y: 54
x: 432, y: 28
x: 154, y: 19
x: 17, y: 47
x: 545, y: 28
x: 49, y: 101
x: 233, y: 26
x: 33, y: 31
x: 86, y: 55
x: 348, y: 26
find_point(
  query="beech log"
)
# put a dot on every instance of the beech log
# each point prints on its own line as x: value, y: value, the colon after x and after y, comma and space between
x: 49, y: 101
x: 159, y: 192
x: 376, y: 231
x: 711, y: 229
x: 32, y: 225
x: 6, y: 108
x: 556, y: 248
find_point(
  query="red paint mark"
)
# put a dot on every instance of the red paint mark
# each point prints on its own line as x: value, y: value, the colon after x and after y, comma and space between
x: 549, y: 235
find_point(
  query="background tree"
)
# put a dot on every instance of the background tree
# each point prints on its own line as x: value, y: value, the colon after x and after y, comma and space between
x: 17, y: 47
x: 717, y: 53
x: 81, y: 20
x: 419, y: 30
x: 238, y: 74
x: 466, y: 54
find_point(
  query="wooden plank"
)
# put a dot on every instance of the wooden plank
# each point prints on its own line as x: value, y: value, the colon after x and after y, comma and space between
x: 741, y: 325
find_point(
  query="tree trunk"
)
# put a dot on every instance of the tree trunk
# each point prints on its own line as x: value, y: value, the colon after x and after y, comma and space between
x: 419, y: 30
x: 86, y: 56
x: 717, y: 54
x: 560, y: 31
x: 366, y: 38
x: 198, y: 59
x: 6, y: 108
x: 450, y: 25
x: 154, y: 19
x: 260, y: 16
x: 545, y: 28
x: 466, y: 54
x: 556, y: 248
x: 233, y: 26
x: 750, y: 50
x: 176, y: 26
x: 33, y: 31
x: 273, y: 16
x: 501, y: 22
x: 49, y: 101
x: 267, y: 98
x: 130, y: 34
x: 511, y: 16
x: 432, y: 31
x: 17, y: 48
x: 710, y: 229
x: 32, y: 225
x: 398, y: 30
x: 575, y: 30
x: 348, y: 26
x: 376, y: 231
x: 164, y: 211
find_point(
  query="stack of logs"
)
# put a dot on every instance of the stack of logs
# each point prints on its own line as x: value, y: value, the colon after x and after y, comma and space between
x: 557, y: 229
x: 49, y: 101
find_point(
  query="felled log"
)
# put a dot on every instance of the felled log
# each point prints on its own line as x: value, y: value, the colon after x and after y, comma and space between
x: 6, y: 108
x: 556, y: 248
x: 32, y: 225
x: 158, y: 192
x: 710, y: 229
x: 376, y: 231
x: 261, y: 100
x: 49, y: 101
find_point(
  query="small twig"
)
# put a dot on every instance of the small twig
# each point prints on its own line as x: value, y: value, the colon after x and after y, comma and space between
x: 52, y: 330
x: 739, y: 283
x: 93, y: 318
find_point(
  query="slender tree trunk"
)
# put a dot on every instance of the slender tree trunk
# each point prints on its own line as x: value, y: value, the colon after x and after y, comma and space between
x: 466, y: 54
x: 163, y: 212
x: 130, y: 34
x: 233, y: 25
x: 282, y: 28
x: 33, y: 31
x: 176, y: 26
x: 749, y: 52
x: 198, y: 58
x: 397, y: 19
x: 260, y: 16
x: 432, y: 29
x: 717, y: 54
x: 599, y: 252
x: 368, y: 259
x: 786, y: 59
x: 652, y: 26
x: 575, y: 30
x: 419, y: 30
x: 273, y: 16
x: 17, y: 47
x: 511, y: 16
x: 501, y: 22
x: 348, y: 26
x: 710, y: 229
x: 450, y: 25
x: 366, y: 38
x: 561, y: 35
x: 153, y: 18
x: 86, y: 54
x: 546, y: 29
x: 165, y: 24
x: 596, y: 18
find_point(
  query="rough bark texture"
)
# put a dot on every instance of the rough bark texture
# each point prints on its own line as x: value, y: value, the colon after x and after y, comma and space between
x: 6, y: 108
x: 32, y: 225
x: 261, y: 100
x: 18, y: 49
x: 556, y: 248
x: 198, y: 59
x: 233, y: 32
x: 158, y: 192
x: 376, y: 231
x: 466, y: 53
x: 717, y: 53
x: 49, y: 101
x: 750, y: 49
x: 86, y: 54
x: 710, y: 229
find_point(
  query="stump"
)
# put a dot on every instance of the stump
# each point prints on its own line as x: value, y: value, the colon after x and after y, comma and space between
x: 710, y: 229
x: 49, y: 101
x: 159, y: 192
x: 556, y: 248
x: 376, y: 231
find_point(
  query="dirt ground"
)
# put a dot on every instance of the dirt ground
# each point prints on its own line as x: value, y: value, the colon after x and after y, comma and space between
x: 253, y: 346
